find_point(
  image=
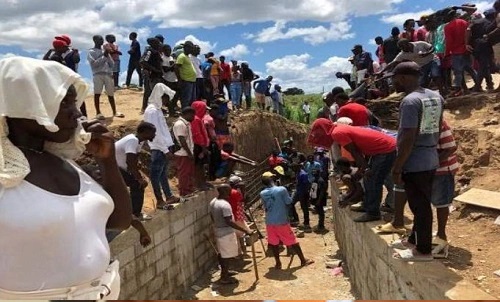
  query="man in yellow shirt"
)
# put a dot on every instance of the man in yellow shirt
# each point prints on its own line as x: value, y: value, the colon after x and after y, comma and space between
x: 186, y: 75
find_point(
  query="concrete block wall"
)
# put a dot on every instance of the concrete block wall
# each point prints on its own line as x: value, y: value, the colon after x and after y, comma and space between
x: 178, y: 255
x: 376, y: 275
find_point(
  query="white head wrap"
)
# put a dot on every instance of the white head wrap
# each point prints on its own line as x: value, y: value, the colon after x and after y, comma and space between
x: 34, y: 89
x: 158, y: 91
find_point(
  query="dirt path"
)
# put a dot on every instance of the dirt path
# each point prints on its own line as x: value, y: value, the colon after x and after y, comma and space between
x: 296, y: 283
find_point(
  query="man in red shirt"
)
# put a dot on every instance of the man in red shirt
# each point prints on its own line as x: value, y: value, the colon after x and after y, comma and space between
x: 455, y: 37
x: 373, y: 151
x: 225, y: 77
x: 356, y: 112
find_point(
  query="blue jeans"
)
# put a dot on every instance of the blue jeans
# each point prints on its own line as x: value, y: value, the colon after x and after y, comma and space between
x: 158, y: 173
x: 429, y: 70
x: 235, y: 92
x: 460, y: 64
x: 188, y: 93
x: 380, y: 166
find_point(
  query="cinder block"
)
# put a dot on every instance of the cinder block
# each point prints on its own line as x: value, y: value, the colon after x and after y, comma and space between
x: 149, y: 257
x: 189, y: 219
x: 128, y: 271
x: 154, y: 286
x: 146, y: 275
x: 161, y: 235
x: 178, y: 226
x: 163, y: 264
x: 126, y: 256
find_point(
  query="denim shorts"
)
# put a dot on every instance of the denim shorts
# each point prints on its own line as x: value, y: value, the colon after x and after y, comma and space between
x: 443, y: 190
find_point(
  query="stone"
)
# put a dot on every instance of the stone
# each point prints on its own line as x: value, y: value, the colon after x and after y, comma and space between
x: 476, y: 216
x: 333, y: 263
x: 497, y: 273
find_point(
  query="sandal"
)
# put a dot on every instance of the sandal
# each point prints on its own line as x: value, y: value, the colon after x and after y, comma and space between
x: 412, y: 255
x: 119, y: 115
x: 402, y: 244
x: 100, y: 117
x: 440, y: 248
x: 165, y: 207
x: 388, y: 228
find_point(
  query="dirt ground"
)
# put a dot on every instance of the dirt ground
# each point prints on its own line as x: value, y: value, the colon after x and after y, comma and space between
x: 474, y: 238
x: 311, y: 282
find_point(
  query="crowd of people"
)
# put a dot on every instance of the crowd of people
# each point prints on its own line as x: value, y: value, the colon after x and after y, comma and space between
x: 54, y: 217
x: 445, y: 44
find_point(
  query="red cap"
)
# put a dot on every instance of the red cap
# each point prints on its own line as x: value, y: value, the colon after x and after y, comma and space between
x: 59, y: 43
x: 64, y: 38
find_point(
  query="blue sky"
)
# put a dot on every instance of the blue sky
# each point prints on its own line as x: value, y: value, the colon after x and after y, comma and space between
x: 300, y: 42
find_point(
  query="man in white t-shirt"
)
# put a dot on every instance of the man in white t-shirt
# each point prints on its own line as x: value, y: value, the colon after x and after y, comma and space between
x: 306, y: 109
x: 184, y: 157
x: 224, y: 229
x: 168, y: 63
x: 127, y: 156
x: 421, y: 53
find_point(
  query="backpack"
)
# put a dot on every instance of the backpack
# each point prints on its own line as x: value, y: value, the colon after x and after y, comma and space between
x: 176, y: 146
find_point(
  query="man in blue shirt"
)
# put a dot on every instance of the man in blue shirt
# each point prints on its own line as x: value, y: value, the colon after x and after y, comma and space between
x: 134, y: 60
x: 261, y: 87
x: 301, y: 195
x: 311, y: 165
x: 277, y: 202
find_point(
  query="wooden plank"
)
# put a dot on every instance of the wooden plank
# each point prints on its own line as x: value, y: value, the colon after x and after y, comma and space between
x: 482, y: 198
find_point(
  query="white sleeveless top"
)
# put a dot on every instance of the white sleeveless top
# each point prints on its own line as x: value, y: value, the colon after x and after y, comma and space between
x: 52, y: 241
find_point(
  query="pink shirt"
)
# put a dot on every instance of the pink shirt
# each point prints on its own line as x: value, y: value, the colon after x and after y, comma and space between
x: 209, y: 123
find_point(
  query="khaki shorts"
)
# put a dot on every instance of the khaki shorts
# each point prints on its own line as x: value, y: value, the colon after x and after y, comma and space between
x: 260, y: 98
x: 104, y: 81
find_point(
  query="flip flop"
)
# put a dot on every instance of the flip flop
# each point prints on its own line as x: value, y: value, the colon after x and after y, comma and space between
x: 402, y: 244
x: 388, y: 228
x: 440, y: 248
x: 411, y: 255
x: 166, y: 207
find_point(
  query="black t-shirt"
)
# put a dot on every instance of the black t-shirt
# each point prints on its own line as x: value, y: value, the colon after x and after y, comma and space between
x: 391, y: 49
x: 153, y: 58
x: 479, y: 28
x: 247, y: 74
x: 135, y: 46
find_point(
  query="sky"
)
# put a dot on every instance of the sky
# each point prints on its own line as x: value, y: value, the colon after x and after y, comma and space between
x: 302, y: 43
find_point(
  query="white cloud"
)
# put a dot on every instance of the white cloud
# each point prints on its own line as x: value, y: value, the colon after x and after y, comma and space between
x: 483, y: 5
x: 311, y: 35
x: 399, y: 19
x: 7, y: 55
x: 294, y: 71
x: 32, y: 24
x: 205, y: 46
x: 235, y: 52
x: 258, y: 51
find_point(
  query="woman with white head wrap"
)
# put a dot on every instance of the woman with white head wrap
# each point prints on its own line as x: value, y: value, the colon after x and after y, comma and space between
x: 160, y: 144
x: 52, y: 215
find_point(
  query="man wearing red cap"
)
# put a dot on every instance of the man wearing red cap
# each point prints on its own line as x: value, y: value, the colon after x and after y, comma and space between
x: 63, y: 53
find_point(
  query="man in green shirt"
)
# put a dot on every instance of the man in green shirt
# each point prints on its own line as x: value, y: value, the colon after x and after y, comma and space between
x: 186, y: 75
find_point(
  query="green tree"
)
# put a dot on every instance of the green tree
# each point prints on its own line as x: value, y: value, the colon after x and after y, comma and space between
x: 293, y: 91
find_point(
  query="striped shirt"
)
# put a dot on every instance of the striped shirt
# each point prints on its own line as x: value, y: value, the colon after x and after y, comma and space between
x: 446, y: 141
